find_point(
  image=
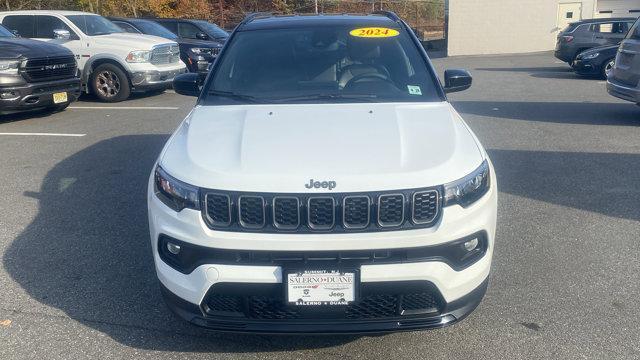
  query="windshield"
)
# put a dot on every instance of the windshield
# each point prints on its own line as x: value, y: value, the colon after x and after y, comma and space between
x: 212, y: 30
x: 153, y: 28
x: 93, y: 25
x: 319, y: 65
x: 4, y: 33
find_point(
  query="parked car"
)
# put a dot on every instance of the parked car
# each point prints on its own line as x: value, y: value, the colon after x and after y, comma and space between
x: 597, y: 61
x: 195, y: 30
x: 586, y: 34
x: 35, y: 75
x: 324, y: 186
x: 197, y: 54
x: 624, y: 80
x: 112, y: 63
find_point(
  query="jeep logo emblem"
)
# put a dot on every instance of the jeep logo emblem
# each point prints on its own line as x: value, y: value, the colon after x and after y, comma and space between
x: 320, y: 184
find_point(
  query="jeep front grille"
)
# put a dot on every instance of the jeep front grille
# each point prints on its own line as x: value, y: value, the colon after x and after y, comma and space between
x: 333, y: 212
x: 165, y: 54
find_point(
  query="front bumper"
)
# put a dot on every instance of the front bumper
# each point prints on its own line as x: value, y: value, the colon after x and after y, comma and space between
x: 452, y: 312
x: 459, y: 291
x: 585, y: 67
x: 38, y: 95
x: 622, y: 91
x: 156, y: 79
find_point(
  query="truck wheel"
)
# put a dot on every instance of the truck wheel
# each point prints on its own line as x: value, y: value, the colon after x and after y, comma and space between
x: 109, y: 83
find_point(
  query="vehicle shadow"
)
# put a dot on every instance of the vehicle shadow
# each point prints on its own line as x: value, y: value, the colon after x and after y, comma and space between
x: 87, y: 253
x: 588, y: 113
x: 26, y: 115
x: 605, y: 183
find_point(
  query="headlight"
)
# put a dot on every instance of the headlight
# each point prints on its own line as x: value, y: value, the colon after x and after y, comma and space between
x: 9, y: 67
x: 139, y: 56
x: 174, y: 193
x: 469, y: 189
x: 590, y: 56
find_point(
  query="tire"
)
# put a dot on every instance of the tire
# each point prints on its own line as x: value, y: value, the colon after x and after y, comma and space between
x: 109, y: 83
x: 607, y: 67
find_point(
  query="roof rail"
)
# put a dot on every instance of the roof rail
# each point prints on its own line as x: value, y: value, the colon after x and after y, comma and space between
x: 247, y: 19
x: 390, y: 14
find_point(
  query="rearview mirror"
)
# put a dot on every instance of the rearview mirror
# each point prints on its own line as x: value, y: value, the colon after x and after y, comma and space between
x: 202, y: 36
x: 456, y: 80
x: 61, y: 34
x: 187, y: 84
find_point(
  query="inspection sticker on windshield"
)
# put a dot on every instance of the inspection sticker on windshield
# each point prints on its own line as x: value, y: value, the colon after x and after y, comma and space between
x: 374, y: 32
x: 414, y: 90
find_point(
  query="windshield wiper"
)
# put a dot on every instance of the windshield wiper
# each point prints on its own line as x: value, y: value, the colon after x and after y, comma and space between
x: 365, y: 97
x: 232, y: 95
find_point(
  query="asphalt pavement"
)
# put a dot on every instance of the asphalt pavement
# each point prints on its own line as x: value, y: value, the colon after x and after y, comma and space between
x: 76, y: 272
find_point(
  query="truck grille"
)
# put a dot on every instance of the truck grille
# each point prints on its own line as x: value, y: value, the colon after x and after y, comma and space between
x: 49, y: 68
x: 165, y: 54
x: 268, y: 212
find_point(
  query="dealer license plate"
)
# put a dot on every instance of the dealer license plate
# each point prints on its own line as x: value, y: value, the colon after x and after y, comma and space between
x: 60, y: 97
x: 321, y: 287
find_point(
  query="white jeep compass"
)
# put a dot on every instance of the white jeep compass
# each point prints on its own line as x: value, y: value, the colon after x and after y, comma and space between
x: 322, y: 184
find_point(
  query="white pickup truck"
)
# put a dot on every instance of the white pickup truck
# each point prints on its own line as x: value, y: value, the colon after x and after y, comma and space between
x: 112, y: 63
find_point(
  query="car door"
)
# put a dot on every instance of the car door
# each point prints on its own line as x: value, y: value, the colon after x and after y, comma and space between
x: 23, y: 25
x: 627, y: 68
x: 170, y: 25
x: 189, y: 31
x: 126, y: 27
x: 45, y: 26
x: 609, y: 33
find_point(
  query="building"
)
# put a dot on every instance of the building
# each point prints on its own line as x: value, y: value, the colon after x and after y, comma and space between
x: 519, y: 26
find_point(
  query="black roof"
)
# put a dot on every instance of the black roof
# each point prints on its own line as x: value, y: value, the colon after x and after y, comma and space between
x: 268, y: 21
x: 589, y: 21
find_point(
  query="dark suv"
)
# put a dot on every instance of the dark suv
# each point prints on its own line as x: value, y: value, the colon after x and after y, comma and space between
x: 196, y: 54
x: 35, y: 75
x: 586, y: 34
x: 624, y: 79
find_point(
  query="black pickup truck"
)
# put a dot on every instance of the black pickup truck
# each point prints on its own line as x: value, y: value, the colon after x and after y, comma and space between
x: 35, y: 75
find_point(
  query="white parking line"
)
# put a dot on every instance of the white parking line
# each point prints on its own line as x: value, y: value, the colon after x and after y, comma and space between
x: 42, y: 134
x: 123, y: 108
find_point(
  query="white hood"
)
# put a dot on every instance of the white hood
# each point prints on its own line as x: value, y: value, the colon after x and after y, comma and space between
x: 131, y: 41
x: 362, y: 147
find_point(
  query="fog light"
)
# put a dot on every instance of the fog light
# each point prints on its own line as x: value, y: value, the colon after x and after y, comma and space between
x: 469, y: 245
x: 7, y: 95
x: 173, y: 248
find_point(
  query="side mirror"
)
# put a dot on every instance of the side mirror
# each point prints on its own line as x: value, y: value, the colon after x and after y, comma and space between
x: 202, y: 36
x: 61, y: 34
x: 456, y: 80
x: 15, y: 32
x: 187, y: 84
